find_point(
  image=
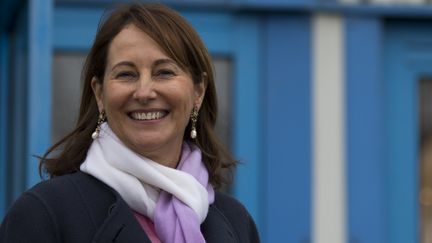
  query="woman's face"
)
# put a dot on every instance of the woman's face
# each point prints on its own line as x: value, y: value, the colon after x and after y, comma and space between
x: 147, y: 97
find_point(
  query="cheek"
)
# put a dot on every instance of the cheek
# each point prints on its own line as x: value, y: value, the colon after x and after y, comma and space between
x: 180, y: 95
x: 113, y: 98
x: 188, y: 104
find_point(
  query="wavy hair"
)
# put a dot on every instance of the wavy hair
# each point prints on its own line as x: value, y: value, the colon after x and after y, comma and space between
x: 180, y: 42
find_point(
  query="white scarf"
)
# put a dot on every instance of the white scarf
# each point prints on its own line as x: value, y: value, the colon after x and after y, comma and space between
x: 138, y: 179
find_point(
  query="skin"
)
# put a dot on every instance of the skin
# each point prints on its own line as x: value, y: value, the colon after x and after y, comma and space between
x: 141, y: 78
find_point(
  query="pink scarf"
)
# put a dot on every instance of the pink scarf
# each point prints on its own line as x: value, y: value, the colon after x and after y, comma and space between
x: 175, y: 221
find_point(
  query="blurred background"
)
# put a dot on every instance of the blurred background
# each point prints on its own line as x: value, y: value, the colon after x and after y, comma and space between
x: 327, y: 103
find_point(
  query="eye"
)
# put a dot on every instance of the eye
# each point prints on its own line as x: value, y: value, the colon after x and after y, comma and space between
x: 165, y: 73
x: 126, y: 75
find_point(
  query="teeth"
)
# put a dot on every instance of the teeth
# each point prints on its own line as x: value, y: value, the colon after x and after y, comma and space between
x: 148, y: 115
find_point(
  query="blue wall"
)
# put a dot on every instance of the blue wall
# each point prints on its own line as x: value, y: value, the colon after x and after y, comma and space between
x: 287, y: 129
x: 25, y: 102
x: 4, y: 87
x: 366, y: 169
x: 16, y: 119
x: 269, y: 43
x: 39, y: 85
x: 408, y: 54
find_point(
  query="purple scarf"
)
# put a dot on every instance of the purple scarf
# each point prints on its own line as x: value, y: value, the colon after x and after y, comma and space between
x: 174, y: 221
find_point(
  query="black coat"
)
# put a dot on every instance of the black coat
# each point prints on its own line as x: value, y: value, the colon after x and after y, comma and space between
x: 79, y: 208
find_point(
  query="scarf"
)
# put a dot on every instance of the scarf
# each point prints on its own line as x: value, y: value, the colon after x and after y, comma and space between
x: 177, y: 200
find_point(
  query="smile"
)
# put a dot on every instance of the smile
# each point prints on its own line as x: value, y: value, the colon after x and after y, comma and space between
x: 145, y: 116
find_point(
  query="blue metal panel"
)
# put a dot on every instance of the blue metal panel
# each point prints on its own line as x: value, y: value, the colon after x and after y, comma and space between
x: 280, y: 6
x: 405, y: 44
x: 39, y: 84
x: 75, y: 28
x: 287, y: 125
x: 103, y: 3
x: 366, y: 168
x: 248, y: 102
x: 279, y: 3
x: 382, y: 10
x: 17, y: 118
x: 4, y: 47
x: 379, y: 10
x: 402, y: 155
x: 216, y: 30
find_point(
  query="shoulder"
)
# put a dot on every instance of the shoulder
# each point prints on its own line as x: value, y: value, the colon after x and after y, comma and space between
x: 29, y: 220
x: 237, y: 216
x: 51, y: 192
x: 32, y: 217
x: 66, y: 185
x: 228, y: 204
x: 64, y: 190
x: 52, y: 206
x: 77, y: 192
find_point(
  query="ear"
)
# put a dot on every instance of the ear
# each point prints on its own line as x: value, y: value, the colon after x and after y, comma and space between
x: 199, y: 91
x: 98, y: 92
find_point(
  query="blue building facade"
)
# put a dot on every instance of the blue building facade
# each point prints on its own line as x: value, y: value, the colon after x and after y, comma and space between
x: 324, y: 106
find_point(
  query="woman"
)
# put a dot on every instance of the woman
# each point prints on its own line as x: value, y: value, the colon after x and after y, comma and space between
x: 143, y: 160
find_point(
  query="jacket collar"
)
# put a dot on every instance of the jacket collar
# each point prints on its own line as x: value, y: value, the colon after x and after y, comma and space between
x: 216, y: 228
x: 121, y: 226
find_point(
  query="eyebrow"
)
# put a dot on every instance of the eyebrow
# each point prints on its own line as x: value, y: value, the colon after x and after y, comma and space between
x: 164, y: 61
x: 156, y: 63
x: 124, y: 63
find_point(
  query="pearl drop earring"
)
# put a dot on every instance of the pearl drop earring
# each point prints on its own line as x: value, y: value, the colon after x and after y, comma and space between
x: 194, y: 118
x: 101, y: 119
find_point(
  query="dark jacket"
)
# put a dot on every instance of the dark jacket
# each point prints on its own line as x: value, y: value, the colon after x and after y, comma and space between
x: 79, y: 208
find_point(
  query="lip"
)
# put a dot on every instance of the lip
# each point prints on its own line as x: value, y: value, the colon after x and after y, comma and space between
x: 140, y: 115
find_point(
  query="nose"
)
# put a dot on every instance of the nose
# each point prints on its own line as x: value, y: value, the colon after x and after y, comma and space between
x: 144, y: 90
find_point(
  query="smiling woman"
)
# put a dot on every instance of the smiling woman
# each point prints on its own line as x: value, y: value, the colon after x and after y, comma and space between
x: 141, y: 82
x: 143, y: 163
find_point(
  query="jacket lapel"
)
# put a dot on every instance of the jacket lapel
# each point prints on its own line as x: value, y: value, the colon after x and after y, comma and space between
x: 216, y: 228
x: 121, y: 226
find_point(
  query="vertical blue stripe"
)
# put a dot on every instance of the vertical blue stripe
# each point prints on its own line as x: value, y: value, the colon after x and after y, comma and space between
x: 401, y: 133
x: 4, y: 47
x: 248, y: 105
x: 39, y: 84
x: 287, y: 125
x: 366, y: 168
x: 17, y: 118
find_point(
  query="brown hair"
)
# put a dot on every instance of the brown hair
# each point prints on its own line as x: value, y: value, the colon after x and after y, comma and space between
x: 181, y: 43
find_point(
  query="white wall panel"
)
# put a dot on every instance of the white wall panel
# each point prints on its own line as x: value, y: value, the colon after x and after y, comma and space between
x: 328, y: 130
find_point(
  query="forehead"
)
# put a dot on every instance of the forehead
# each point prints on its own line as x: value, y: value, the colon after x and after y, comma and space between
x: 132, y: 42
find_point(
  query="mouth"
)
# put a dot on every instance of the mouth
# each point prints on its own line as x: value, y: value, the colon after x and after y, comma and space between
x: 148, y: 116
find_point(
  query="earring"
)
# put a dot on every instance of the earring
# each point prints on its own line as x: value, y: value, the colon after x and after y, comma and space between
x: 194, y: 118
x: 101, y: 119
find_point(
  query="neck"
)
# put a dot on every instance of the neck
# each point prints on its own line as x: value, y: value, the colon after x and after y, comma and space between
x: 166, y: 157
